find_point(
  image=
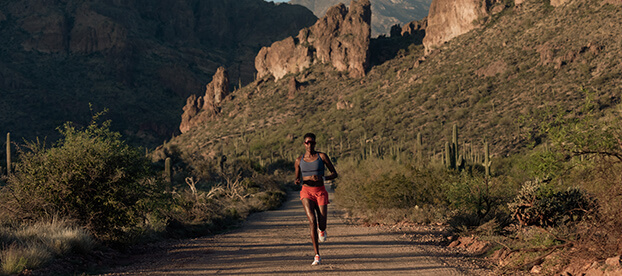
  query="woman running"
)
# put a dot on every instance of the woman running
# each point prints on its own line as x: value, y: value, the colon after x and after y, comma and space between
x: 314, y: 197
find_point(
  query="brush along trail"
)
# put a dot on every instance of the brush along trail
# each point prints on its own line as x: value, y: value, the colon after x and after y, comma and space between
x: 277, y: 243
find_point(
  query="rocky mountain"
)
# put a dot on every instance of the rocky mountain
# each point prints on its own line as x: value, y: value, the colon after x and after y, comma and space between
x: 520, y: 61
x: 207, y: 105
x: 386, y: 13
x: 140, y: 59
x: 340, y: 38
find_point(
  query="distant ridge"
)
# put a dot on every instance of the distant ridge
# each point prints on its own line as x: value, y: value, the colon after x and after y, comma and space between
x: 386, y: 13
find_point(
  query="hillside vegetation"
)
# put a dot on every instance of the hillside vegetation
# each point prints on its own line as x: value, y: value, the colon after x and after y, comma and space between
x: 492, y: 83
x: 510, y: 133
x: 540, y: 85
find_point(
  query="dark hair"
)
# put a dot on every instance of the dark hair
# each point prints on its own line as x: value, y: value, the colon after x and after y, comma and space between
x: 310, y: 135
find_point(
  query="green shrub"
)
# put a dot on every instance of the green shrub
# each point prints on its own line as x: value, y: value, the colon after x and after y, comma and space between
x: 390, y: 191
x: 537, y: 204
x: 90, y: 175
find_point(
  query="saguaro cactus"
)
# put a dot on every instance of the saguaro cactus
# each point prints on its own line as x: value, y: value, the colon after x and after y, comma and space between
x: 167, y: 171
x: 8, y: 153
x: 419, y: 150
x: 487, y: 161
x: 454, y: 143
x: 448, y: 155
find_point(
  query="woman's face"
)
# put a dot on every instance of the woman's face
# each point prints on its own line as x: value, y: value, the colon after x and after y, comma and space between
x: 309, y: 143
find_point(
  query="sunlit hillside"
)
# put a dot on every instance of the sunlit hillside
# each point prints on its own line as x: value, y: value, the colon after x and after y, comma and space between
x: 494, y: 83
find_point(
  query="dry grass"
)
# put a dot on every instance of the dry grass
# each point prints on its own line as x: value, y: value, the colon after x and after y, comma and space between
x: 16, y: 259
x: 32, y: 245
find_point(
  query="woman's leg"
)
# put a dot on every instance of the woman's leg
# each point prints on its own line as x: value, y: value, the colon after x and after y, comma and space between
x: 310, y: 207
x: 321, y: 217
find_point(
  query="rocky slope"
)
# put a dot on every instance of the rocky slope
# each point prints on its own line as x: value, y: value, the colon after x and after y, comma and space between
x: 340, y: 38
x: 199, y: 108
x: 523, y: 61
x: 386, y: 13
x: 140, y: 59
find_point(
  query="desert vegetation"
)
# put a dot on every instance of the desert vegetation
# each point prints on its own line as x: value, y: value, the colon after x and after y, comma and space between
x: 91, y: 190
x: 543, y: 98
x: 510, y: 132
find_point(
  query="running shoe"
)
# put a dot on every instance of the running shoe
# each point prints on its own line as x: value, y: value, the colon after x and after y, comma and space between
x: 322, y: 236
x: 316, y: 260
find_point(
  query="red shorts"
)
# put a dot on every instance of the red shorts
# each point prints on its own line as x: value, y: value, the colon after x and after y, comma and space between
x: 318, y: 195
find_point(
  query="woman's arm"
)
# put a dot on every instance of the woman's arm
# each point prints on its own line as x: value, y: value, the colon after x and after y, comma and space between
x: 298, y: 177
x: 329, y: 166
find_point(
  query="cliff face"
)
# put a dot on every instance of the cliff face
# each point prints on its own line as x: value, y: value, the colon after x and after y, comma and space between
x: 139, y: 58
x: 451, y: 18
x: 340, y: 38
x: 198, y: 109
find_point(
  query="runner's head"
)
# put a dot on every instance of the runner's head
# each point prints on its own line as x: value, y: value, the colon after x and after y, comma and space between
x: 309, y: 140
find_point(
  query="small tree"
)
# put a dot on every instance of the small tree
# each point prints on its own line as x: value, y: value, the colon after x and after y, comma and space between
x: 90, y: 175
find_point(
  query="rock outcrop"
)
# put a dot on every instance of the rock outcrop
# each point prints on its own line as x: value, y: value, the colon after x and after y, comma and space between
x: 340, y: 38
x: 415, y: 28
x: 557, y: 3
x: 199, y: 109
x: 387, y: 13
x: 450, y: 18
x: 93, y: 32
x: 53, y: 31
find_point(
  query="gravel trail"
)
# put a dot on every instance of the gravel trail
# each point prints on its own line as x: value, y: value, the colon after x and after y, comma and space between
x: 277, y: 243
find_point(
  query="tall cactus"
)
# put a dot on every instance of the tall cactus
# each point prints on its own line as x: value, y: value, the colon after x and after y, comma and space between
x: 419, y: 148
x: 454, y: 143
x: 448, y: 155
x: 167, y: 171
x: 8, y: 153
x: 487, y: 161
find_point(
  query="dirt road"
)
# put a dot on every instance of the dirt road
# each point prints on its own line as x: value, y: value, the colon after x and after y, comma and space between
x: 277, y: 243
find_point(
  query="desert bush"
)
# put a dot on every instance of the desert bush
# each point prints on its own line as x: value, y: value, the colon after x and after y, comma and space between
x: 423, y: 193
x: 537, y: 204
x: 385, y: 183
x: 90, y: 175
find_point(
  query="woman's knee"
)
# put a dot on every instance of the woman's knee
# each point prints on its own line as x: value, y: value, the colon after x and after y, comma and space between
x: 313, y: 223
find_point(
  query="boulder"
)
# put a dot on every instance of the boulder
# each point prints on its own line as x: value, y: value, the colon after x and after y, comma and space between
x: 614, y: 262
x: 557, y: 3
x: 199, y: 109
x: 281, y: 58
x: 340, y: 38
